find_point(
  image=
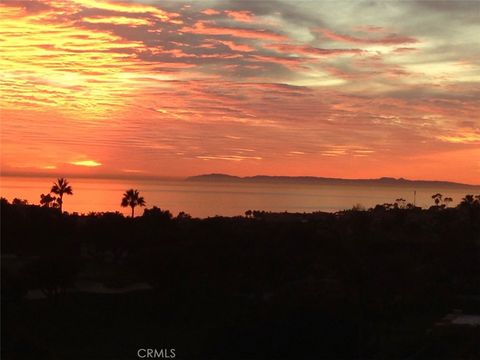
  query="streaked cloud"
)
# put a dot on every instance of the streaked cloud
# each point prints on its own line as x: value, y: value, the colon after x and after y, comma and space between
x: 210, y: 12
x: 117, y: 20
x: 390, y: 39
x: 208, y: 28
x: 88, y: 163
x: 228, y: 157
x: 126, y: 7
x: 242, y: 16
x: 465, y: 138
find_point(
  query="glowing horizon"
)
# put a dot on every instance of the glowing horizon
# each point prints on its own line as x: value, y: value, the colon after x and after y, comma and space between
x: 175, y: 89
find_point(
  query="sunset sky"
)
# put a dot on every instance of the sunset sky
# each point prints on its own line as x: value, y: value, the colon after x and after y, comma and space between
x: 354, y: 89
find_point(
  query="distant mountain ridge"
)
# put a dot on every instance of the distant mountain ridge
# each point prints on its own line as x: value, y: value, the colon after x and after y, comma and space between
x: 323, y: 180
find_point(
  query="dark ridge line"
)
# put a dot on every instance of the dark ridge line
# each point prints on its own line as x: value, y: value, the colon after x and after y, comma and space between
x: 322, y: 180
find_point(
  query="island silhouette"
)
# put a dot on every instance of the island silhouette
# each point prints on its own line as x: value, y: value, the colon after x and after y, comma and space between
x: 315, y: 180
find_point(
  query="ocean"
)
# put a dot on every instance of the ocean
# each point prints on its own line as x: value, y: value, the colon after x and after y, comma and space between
x: 201, y: 199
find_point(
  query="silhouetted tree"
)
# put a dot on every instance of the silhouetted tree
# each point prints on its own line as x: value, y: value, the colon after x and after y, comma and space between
x: 182, y: 215
x: 157, y: 213
x: 60, y: 188
x: 358, y: 207
x: 132, y: 198
x: 18, y: 201
x: 257, y: 214
x: 388, y: 206
x: 437, y: 198
x: 47, y: 200
x: 400, y: 203
x: 468, y: 200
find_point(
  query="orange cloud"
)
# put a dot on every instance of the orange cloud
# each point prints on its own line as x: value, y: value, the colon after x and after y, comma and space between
x: 126, y: 7
x: 206, y: 28
x: 370, y: 28
x: 392, y: 39
x: 464, y: 138
x: 236, y: 47
x: 62, y: 66
x: 229, y: 157
x: 118, y: 20
x: 210, y: 12
x: 290, y: 62
x: 309, y: 50
x: 242, y: 16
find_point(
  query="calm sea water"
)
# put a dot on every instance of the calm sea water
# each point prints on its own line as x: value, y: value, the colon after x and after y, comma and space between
x: 209, y: 199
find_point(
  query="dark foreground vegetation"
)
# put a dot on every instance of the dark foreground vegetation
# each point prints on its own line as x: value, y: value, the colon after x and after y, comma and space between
x: 353, y: 285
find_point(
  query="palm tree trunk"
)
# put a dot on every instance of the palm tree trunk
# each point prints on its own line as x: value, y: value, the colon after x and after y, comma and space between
x: 61, y: 204
x: 133, y: 207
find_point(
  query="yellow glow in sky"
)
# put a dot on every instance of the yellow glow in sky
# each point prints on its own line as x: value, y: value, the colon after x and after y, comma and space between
x: 90, y: 163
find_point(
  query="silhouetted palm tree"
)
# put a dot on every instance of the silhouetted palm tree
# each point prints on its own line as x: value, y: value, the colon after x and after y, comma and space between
x: 447, y: 201
x: 437, y: 198
x: 60, y: 188
x: 47, y: 200
x: 132, y: 198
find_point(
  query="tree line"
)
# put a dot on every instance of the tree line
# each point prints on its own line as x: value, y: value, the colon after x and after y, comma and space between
x: 131, y: 198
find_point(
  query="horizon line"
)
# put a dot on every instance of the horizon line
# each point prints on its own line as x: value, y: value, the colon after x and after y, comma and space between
x: 183, y: 178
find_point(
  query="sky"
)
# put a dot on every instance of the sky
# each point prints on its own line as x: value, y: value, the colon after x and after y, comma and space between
x: 354, y: 89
